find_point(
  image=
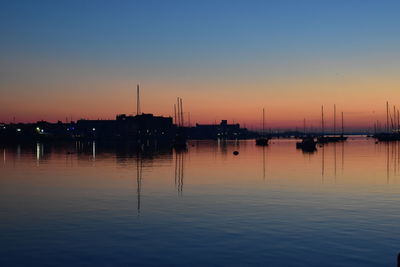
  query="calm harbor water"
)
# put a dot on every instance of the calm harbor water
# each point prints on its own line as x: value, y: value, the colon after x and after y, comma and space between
x: 86, y: 204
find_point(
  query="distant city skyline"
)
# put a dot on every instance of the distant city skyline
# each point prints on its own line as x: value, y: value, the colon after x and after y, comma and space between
x: 226, y: 59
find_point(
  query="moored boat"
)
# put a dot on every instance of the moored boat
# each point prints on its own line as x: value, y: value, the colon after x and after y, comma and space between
x: 180, y: 141
x: 262, y: 141
x: 307, y: 144
x: 386, y: 137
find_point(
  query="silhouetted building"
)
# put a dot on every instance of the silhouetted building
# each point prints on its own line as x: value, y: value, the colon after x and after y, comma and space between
x: 219, y: 131
x: 143, y: 127
x: 139, y: 127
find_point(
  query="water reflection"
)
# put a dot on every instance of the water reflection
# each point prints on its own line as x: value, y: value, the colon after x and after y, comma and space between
x: 337, y: 160
x: 179, y: 169
x: 39, y: 152
x: 392, y: 150
x: 94, y: 150
x: 139, y: 172
x: 342, y: 144
x: 387, y: 162
x: 53, y: 192
x: 323, y: 163
x: 263, y: 148
x: 334, y: 160
x: 333, y: 157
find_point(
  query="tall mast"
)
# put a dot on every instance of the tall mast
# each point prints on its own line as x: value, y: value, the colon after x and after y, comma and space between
x: 137, y: 100
x: 179, y: 116
x: 334, y: 119
x: 175, y: 113
x: 304, y: 126
x: 263, y: 121
x: 391, y: 121
x: 181, y: 112
x: 322, y: 120
x: 387, y: 116
x: 342, y: 125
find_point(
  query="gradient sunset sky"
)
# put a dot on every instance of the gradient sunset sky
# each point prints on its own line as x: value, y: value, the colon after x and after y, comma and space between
x: 226, y: 59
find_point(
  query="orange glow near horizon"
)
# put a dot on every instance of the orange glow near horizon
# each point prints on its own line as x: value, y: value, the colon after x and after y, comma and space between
x: 226, y: 67
x: 285, y: 106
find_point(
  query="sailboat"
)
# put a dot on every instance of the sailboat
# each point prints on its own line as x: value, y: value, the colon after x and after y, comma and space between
x: 322, y: 139
x: 330, y: 139
x: 392, y: 133
x: 327, y: 139
x: 307, y: 143
x: 342, y: 137
x: 262, y: 141
x: 180, y: 140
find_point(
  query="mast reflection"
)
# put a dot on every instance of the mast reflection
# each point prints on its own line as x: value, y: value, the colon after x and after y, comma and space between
x: 94, y: 150
x: 179, y: 170
x: 387, y: 163
x: 334, y: 161
x: 139, y: 172
x: 264, y: 164
x: 342, y: 143
x: 323, y: 163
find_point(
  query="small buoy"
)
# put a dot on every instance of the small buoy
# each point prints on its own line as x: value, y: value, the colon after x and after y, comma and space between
x: 235, y: 153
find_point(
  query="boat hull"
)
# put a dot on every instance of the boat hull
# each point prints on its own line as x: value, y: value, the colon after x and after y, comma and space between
x: 387, y: 137
x: 307, y: 145
x: 262, y: 141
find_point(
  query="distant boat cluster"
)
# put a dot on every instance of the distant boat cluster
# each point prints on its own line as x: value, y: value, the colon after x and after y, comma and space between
x: 309, y: 140
x: 391, y: 132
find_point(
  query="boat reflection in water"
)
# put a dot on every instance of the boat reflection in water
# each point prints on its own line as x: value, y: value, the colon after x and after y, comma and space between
x: 179, y: 170
x: 110, y: 203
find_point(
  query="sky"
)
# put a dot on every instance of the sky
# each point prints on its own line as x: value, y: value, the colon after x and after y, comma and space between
x: 225, y: 59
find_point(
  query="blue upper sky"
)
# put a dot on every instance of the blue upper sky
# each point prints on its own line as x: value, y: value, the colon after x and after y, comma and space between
x: 184, y: 34
x: 49, y: 43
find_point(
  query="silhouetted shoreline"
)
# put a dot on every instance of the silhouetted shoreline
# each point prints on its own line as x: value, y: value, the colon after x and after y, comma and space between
x: 139, y: 129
